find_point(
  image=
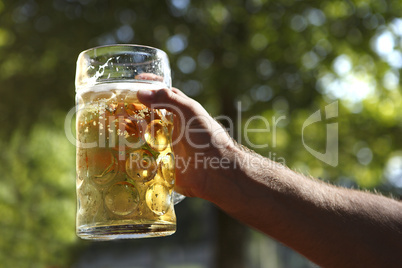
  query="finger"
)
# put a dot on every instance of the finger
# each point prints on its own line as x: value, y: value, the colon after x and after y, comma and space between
x: 149, y: 76
x: 165, y: 99
x: 178, y: 92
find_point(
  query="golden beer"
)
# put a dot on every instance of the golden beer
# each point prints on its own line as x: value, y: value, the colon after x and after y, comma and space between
x: 125, y: 164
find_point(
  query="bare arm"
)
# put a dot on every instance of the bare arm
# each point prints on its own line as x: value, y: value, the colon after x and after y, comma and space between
x: 332, y: 226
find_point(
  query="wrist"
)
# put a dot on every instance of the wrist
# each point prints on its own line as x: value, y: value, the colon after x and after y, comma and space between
x: 222, y: 181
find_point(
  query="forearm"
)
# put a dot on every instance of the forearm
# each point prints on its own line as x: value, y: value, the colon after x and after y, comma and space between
x: 322, y: 222
x: 333, y: 227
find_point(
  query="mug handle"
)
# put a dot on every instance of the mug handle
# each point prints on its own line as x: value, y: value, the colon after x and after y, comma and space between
x: 177, y: 198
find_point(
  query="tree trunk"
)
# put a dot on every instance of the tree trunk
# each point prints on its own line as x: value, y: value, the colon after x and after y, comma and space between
x: 231, y: 234
x: 231, y: 241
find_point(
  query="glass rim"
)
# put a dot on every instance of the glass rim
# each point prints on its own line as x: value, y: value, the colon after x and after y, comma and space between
x: 122, y: 45
x: 95, y: 57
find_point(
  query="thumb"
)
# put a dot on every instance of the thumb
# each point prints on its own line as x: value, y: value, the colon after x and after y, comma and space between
x: 164, y: 99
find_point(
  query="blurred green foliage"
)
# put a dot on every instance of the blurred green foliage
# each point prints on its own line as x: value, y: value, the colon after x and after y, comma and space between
x: 278, y: 58
x: 37, y: 197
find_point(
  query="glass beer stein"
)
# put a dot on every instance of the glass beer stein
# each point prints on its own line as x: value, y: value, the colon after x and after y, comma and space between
x: 125, y: 162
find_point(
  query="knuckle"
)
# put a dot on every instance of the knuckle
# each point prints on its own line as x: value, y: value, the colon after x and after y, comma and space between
x: 164, y: 94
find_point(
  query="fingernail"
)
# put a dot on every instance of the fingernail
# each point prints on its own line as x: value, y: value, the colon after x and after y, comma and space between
x: 145, y: 94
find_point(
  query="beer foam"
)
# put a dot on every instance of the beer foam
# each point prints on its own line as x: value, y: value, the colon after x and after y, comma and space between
x: 134, y: 86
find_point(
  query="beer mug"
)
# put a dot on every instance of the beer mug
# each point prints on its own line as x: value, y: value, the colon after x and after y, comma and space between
x: 125, y: 162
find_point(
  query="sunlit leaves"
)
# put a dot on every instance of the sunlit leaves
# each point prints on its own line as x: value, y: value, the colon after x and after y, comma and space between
x: 37, y: 198
x: 278, y: 58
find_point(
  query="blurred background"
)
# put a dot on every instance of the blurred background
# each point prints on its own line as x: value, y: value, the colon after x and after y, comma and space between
x: 276, y: 58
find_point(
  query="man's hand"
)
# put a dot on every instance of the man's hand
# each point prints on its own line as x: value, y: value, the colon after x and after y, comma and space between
x: 197, y: 138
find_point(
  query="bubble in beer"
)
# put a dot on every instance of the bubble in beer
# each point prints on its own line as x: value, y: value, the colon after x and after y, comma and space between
x: 141, y: 165
x: 122, y: 133
x: 136, y: 110
x: 158, y: 199
x: 110, y: 109
x: 120, y: 109
x: 101, y: 96
x: 88, y: 199
x: 101, y: 165
x: 87, y: 126
x: 130, y: 96
x: 81, y: 164
x: 136, y: 121
x: 156, y: 135
x: 122, y: 198
x: 131, y: 132
x: 167, y: 168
